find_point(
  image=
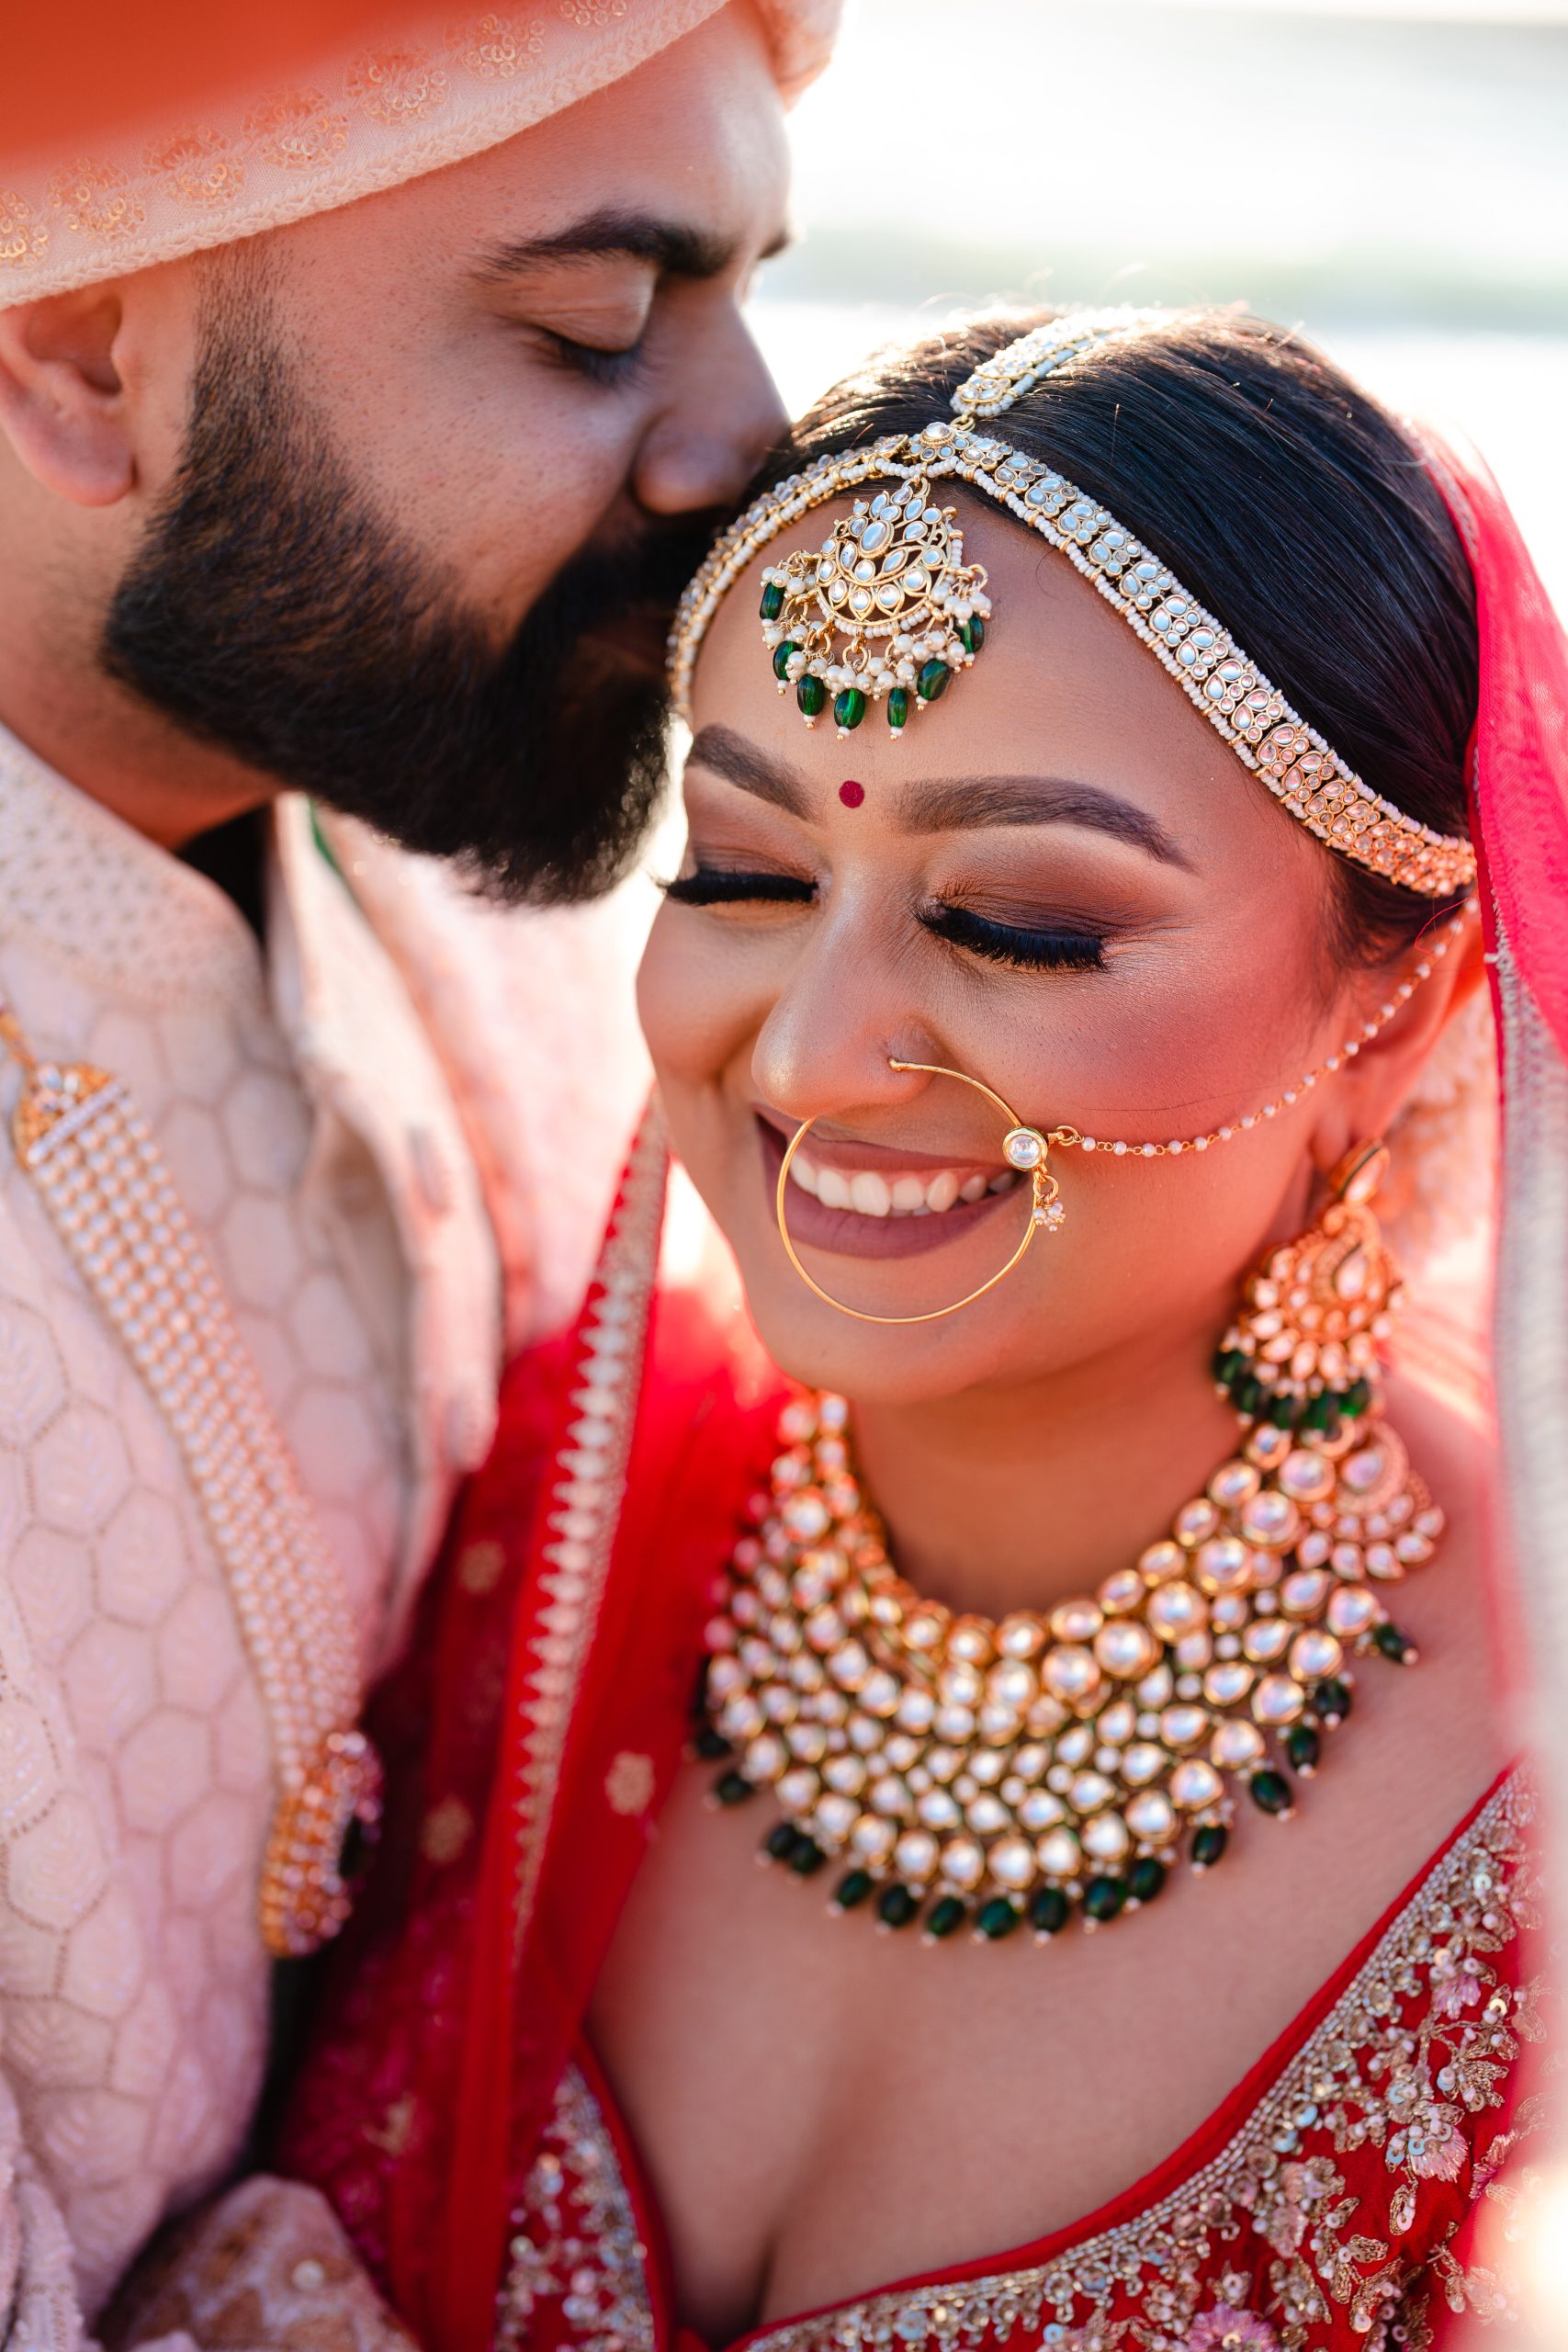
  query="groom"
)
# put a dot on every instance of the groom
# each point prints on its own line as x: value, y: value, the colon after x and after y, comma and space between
x: 355, y: 436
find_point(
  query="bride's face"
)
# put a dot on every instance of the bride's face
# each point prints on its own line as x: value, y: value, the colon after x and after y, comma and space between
x: 1060, y: 881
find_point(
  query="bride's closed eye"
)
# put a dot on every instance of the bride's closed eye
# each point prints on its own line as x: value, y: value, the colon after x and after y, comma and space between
x: 1026, y: 948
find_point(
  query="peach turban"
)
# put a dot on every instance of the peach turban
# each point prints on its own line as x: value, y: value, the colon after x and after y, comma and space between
x: 368, y: 115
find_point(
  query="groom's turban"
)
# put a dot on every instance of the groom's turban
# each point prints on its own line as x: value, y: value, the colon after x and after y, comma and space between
x: 302, y: 126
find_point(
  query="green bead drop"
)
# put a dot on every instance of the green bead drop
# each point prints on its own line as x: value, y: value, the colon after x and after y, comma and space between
x: 1332, y: 1699
x: 1270, y: 1791
x: 1248, y: 1394
x: 781, y: 657
x: 972, y: 634
x: 1229, y: 1365
x: 1282, y: 1411
x: 848, y: 708
x: 1303, y: 1745
x: 1103, y: 1897
x: 851, y: 1889
x: 1393, y: 1644
x: 1146, y: 1879
x: 780, y: 1843
x: 945, y: 1917
x: 931, y: 683
x: 773, y: 600
x: 810, y: 694
x: 898, y: 708
x: 1049, y: 1911
x: 997, y: 1919
x: 807, y: 1858
x: 733, y: 1788
x: 1358, y: 1399
x: 897, y: 1907
x: 711, y: 1744
x: 1208, y: 1844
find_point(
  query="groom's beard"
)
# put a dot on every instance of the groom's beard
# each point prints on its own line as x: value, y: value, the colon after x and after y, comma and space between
x: 275, y: 612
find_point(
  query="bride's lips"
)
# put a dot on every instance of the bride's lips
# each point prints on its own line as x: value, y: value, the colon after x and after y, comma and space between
x: 850, y: 1234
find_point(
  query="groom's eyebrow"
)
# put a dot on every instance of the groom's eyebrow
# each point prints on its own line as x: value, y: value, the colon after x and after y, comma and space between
x: 673, y: 248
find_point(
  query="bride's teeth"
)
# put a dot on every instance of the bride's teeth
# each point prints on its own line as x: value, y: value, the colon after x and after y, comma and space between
x: 974, y: 1189
x: 869, y: 1193
x: 832, y: 1190
x: 1002, y: 1184
x: 908, y: 1195
x: 803, y: 1174
x: 942, y: 1191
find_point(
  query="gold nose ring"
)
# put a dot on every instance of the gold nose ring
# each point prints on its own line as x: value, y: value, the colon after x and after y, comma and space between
x: 1025, y: 1148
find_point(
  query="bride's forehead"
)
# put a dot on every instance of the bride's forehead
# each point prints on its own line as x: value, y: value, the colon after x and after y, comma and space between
x: 1059, y: 672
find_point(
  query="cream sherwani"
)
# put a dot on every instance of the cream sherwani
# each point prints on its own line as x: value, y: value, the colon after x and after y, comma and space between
x: 353, y: 1121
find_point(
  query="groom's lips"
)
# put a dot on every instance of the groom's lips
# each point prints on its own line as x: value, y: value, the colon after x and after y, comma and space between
x: 846, y: 1234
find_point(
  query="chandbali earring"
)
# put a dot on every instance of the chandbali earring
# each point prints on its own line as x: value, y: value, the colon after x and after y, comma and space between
x: 1303, y: 1350
x: 1024, y: 1148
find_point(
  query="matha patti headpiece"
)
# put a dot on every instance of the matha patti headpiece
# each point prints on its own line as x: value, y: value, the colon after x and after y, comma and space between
x: 886, y: 610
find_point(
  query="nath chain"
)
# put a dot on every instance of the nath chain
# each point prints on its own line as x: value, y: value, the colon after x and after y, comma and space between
x: 1436, y: 949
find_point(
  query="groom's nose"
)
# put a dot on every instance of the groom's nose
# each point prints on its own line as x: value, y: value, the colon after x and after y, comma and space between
x: 720, y: 415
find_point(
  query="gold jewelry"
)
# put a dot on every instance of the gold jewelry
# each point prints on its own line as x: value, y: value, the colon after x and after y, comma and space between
x: 1025, y: 1148
x: 1303, y: 1350
x: 1047, y: 1211
x: 891, y: 582
x: 102, y: 1179
x: 998, y: 1773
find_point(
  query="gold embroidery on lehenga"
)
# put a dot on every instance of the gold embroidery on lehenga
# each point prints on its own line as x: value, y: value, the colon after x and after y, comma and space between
x: 1422, y: 2040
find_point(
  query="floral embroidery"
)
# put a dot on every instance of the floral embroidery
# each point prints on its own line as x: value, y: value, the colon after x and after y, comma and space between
x: 396, y: 85
x: 592, y: 15
x: 96, y: 200
x: 297, y: 130
x: 195, y: 166
x: 22, y: 238
x: 574, y: 2238
x: 497, y: 48
x: 1224, y: 2329
x: 629, y: 1783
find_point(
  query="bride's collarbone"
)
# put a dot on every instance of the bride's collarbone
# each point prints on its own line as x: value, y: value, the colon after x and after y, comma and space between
x: 824, y: 2109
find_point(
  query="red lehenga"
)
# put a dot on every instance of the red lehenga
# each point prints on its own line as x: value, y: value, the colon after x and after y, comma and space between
x: 455, y: 2114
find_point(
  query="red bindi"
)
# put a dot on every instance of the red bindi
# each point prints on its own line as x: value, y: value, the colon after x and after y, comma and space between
x: 851, y: 794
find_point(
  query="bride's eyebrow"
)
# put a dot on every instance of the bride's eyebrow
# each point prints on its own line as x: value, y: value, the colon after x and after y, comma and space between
x: 963, y: 803
x: 753, y: 771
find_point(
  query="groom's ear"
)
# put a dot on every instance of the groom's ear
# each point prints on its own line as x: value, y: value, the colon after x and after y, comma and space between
x: 63, y: 395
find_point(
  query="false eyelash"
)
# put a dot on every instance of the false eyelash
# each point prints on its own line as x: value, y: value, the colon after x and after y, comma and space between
x: 1027, y: 950
x: 712, y: 887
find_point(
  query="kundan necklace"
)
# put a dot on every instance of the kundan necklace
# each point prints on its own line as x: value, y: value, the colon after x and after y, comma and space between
x: 997, y: 1773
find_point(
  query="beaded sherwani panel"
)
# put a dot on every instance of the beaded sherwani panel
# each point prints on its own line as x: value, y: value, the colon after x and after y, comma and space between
x: 136, y: 1769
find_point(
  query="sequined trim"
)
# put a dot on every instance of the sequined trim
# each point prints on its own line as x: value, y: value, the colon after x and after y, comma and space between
x: 574, y: 2237
x: 585, y: 1497
x: 1371, y: 2073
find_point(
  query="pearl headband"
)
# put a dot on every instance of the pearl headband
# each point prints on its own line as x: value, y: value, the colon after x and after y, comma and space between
x: 892, y: 584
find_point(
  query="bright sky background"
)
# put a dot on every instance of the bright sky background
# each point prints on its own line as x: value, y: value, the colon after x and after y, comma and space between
x: 1394, y: 180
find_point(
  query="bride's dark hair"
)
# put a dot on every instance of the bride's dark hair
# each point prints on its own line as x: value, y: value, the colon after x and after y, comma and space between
x: 1289, y: 501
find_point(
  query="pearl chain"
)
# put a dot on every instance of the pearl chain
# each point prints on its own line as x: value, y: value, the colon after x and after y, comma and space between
x: 1436, y: 950
x: 99, y: 1174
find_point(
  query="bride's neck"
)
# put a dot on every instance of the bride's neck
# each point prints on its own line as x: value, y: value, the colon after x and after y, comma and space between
x: 1017, y: 1498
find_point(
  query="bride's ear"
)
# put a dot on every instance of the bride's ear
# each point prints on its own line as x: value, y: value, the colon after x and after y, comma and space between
x: 1365, y: 1095
x: 62, y: 405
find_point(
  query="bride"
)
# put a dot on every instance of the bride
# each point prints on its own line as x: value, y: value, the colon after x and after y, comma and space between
x: 1070, y: 992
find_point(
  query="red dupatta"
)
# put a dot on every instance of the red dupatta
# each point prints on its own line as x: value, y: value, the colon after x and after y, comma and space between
x: 665, y: 1412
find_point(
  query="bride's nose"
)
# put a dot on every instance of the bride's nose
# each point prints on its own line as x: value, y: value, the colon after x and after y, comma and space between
x: 827, y: 1047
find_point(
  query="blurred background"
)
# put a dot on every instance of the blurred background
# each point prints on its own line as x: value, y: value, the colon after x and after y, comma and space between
x: 1391, y: 175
